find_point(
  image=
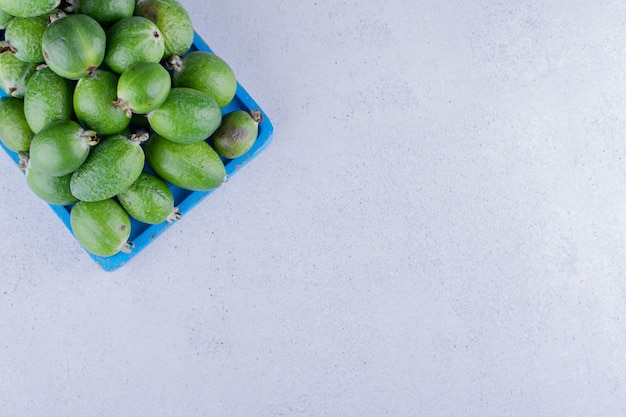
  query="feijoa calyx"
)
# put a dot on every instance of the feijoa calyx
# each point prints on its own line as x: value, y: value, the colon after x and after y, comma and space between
x: 195, y: 166
x: 111, y: 167
x: 143, y: 88
x: 74, y: 46
x: 101, y: 227
x: 93, y: 103
x: 48, y: 99
x: 149, y: 200
x: 186, y: 116
x: 61, y: 148
x: 15, y: 133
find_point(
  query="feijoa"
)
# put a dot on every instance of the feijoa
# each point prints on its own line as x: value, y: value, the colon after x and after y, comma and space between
x: 61, y: 147
x: 187, y: 116
x: 173, y: 20
x: 24, y: 35
x: 14, y: 73
x: 104, y: 12
x: 111, y: 167
x: 93, y: 103
x: 15, y: 133
x: 101, y: 227
x: 133, y: 40
x: 48, y: 99
x: 149, y: 200
x: 207, y: 72
x: 53, y: 190
x: 74, y: 46
x: 5, y: 18
x: 195, y: 166
x: 237, y: 133
x: 143, y: 88
x: 28, y: 8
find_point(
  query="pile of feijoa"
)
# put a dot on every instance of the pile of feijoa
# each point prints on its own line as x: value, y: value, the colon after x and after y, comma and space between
x: 107, y: 103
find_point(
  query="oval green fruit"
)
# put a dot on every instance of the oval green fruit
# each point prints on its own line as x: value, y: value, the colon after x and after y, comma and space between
x: 74, y: 46
x: 93, y: 103
x: 194, y: 166
x: 61, y: 148
x: 149, y: 200
x: 187, y: 116
x: 15, y: 133
x: 14, y: 74
x: 237, y: 133
x: 53, y: 190
x: 133, y: 40
x: 24, y: 35
x: 28, y: 8
x: 105, y: 12
x: 101, y: 227
x: 206, y: 72
x: 173, y: 20
x: 111, y: 167
x: 143, y: 88
x: 48, y: 99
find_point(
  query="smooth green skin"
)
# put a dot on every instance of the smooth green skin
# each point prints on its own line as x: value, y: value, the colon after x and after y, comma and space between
x: 28, y: 8
x: 113, y: 165
x: 15, y: 133
x: 48, y: 99
x: 236, y: 134
x: 105, y: 12
x: 194, y: 166
x: 144, y: 87
x: 53, y: 190
x: 187, y: 116
x: 93, y: 103
x: 59, y: 149
x: 133, y: 40
x: 173, y: 20
x: 209, y: 73
x: 14, y: 74
x: 5, y: 18
x: 148, y: 199
x: 101, y: 227
x: 24, y: 35
x: 74, y: 46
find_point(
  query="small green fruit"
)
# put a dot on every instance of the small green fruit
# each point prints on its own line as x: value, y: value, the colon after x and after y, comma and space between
x: 133, y: 40
x: 104, y: 12
x: 24, y: 35
x: 14, y: 74
x: 48, y: 99
x: 101, y: 227
x: 15, y: 133
x: 143, y: 88
x: 237, y: 133
x: 173, y: 21
x: 149, y: 200
x: 53, y: 190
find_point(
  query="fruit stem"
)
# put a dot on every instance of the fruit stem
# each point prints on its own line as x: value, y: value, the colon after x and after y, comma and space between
x: 89, y: 138
x: 139, y: 136
x: 257, y: 116
x: 58, y: 15
x: 67, y: 6
x: 24, y: 160
x: 122, y: 105
x: 175, y: 63
x: 127, y: 247
x: 6, y: 46
x: 174, y: 215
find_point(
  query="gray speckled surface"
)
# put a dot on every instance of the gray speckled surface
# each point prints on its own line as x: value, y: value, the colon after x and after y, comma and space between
x: 437, y: 229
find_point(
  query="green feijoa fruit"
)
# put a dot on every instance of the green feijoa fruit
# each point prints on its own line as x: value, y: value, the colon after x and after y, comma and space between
x: 173, y: 20
x: 133, y: 40
x: 187, y: 116
x: 149, y: 200
x: 237, y: 133
x: 93, y: 103
x: 194, y: 166
x: 143, y: 88
x: 61, y: 147
x: 28, y: 8
x: 24, y: 35
x: 53, y: 190
x: 74, y: 46
x: 112, y: 167
x: 5, y: 18
x: 48, y: 99
x: 207, y: 72
x: 104, y: 12
x: 14, y: 73
x: 15, y: 133
x: 101, y: 227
